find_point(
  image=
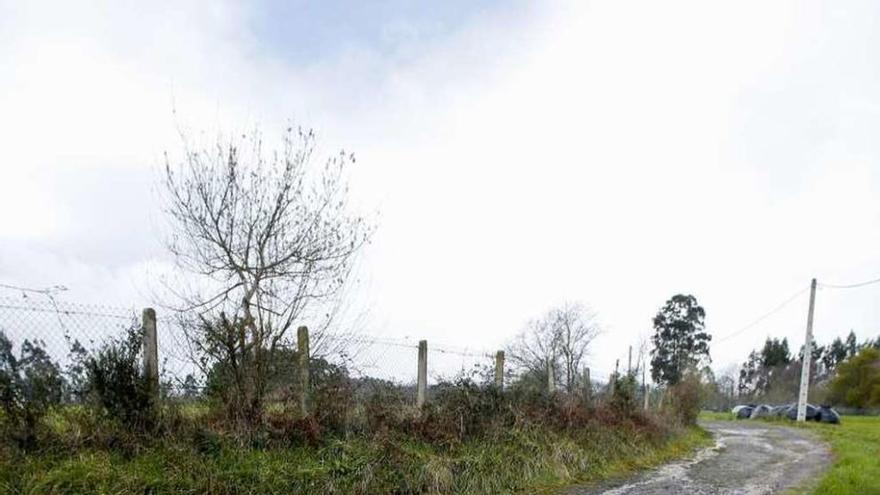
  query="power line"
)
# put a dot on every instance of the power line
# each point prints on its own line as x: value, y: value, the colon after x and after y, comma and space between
x: 849, y: 286
x: 66, y: 312
x: 765, y: 316
x: 47, y: 290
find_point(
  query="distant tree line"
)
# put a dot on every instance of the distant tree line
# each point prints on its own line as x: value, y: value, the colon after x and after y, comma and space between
x: 772, y: 374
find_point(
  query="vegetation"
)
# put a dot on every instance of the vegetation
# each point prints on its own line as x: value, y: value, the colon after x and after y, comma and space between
x: 367, y: 438
x: 270, y: 244
x: 843, y: 373
x: 556, y: 343
x: 113, y: 384
x: 521, y: 460
x: 680, y: 341
x: 271, y: 240
x: 855, y: 444
x: 857, y: 382
x: 687, y: 397
x: 30, y: 385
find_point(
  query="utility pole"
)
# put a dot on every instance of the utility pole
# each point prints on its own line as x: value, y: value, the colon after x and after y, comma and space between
x: 808, y: 354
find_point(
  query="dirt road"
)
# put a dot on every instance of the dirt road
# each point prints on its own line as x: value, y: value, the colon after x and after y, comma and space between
x: 749, y: 457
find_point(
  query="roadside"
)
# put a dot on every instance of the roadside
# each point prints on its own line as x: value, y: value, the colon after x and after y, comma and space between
x: 746, y: 458
x: 523, y: 460
x: 855, y: 445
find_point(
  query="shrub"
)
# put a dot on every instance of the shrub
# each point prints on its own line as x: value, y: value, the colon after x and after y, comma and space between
x: 332, y: 396
x: 857, y: 380
x: 462, y: 409
x: 29, y: 386
x: 114, y: 382
x: 386, y: 406
x: 623, y: 400
x: 687, y: 396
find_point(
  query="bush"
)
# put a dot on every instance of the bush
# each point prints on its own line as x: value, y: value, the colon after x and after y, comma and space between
x: 462, y: 409
x: 687, y: 396
x: 623, y: 400
x: 332, y: 396
x: 114, y: 383
x: 857, y: 380
x: 386, y: 406
x: 29, y: 386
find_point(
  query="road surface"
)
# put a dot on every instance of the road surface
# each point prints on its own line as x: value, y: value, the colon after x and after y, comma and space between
x: 749, y: 457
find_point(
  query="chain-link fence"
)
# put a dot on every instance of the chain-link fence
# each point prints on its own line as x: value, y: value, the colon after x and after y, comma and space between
x: 57, y: 325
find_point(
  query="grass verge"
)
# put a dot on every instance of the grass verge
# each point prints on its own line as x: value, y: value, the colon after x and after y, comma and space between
x: 855, y: 444
x: 533, y: 461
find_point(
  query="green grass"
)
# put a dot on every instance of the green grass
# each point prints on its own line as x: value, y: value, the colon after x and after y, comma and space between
x: 716, y: 416
x: 856, y: 447
x: 855, y: 444
x: 520, y: 461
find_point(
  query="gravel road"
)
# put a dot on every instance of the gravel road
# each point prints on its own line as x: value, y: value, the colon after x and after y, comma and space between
x: 749, y: 457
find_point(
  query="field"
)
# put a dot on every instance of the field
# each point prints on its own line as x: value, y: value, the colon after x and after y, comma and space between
x: 855, y: 444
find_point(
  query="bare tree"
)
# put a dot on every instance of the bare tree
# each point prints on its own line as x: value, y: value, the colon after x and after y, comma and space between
x: 273, y: 239
x: 562, y: 337
x: 534, y: 348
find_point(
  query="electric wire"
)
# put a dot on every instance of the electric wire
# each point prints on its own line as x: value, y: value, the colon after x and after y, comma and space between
x: 849, y: 286
x: 764, y: 316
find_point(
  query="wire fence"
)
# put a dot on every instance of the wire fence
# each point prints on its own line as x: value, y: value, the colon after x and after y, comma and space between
x: 57, y: 325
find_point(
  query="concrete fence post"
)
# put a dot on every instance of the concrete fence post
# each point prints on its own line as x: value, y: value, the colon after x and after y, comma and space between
x: 551, y: 377
x: 151, y: 350
x: 499, y: 370
x: 302, y: 347
x: 588, y: 385
x: 422, y: 377
x: 613, y: 384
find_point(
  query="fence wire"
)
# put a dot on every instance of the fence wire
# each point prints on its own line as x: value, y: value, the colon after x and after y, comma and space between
x: 57, y: 324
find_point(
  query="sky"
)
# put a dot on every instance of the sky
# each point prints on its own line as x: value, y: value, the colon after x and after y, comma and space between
x: 515, y: 155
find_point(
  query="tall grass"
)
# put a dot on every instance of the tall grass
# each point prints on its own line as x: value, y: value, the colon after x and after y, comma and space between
x: 519, y: 460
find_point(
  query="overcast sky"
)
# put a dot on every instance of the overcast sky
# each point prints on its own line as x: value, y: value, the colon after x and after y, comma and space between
x: 519, y: 154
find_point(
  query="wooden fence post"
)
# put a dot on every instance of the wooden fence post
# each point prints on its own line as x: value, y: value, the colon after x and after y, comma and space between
x: 302, y: 347
x: 422, y: 377
x: 151, y: 350
x: 499, y: 370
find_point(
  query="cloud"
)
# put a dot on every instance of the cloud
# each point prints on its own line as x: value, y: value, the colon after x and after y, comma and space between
x: 610, y: 152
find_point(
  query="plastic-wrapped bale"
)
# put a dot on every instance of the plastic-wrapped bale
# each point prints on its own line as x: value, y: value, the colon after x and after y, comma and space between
x: 780, y: 411
x: 760, y: 411
x: 812, y: 413
x: 745, y: 412
x: 828, y: 415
